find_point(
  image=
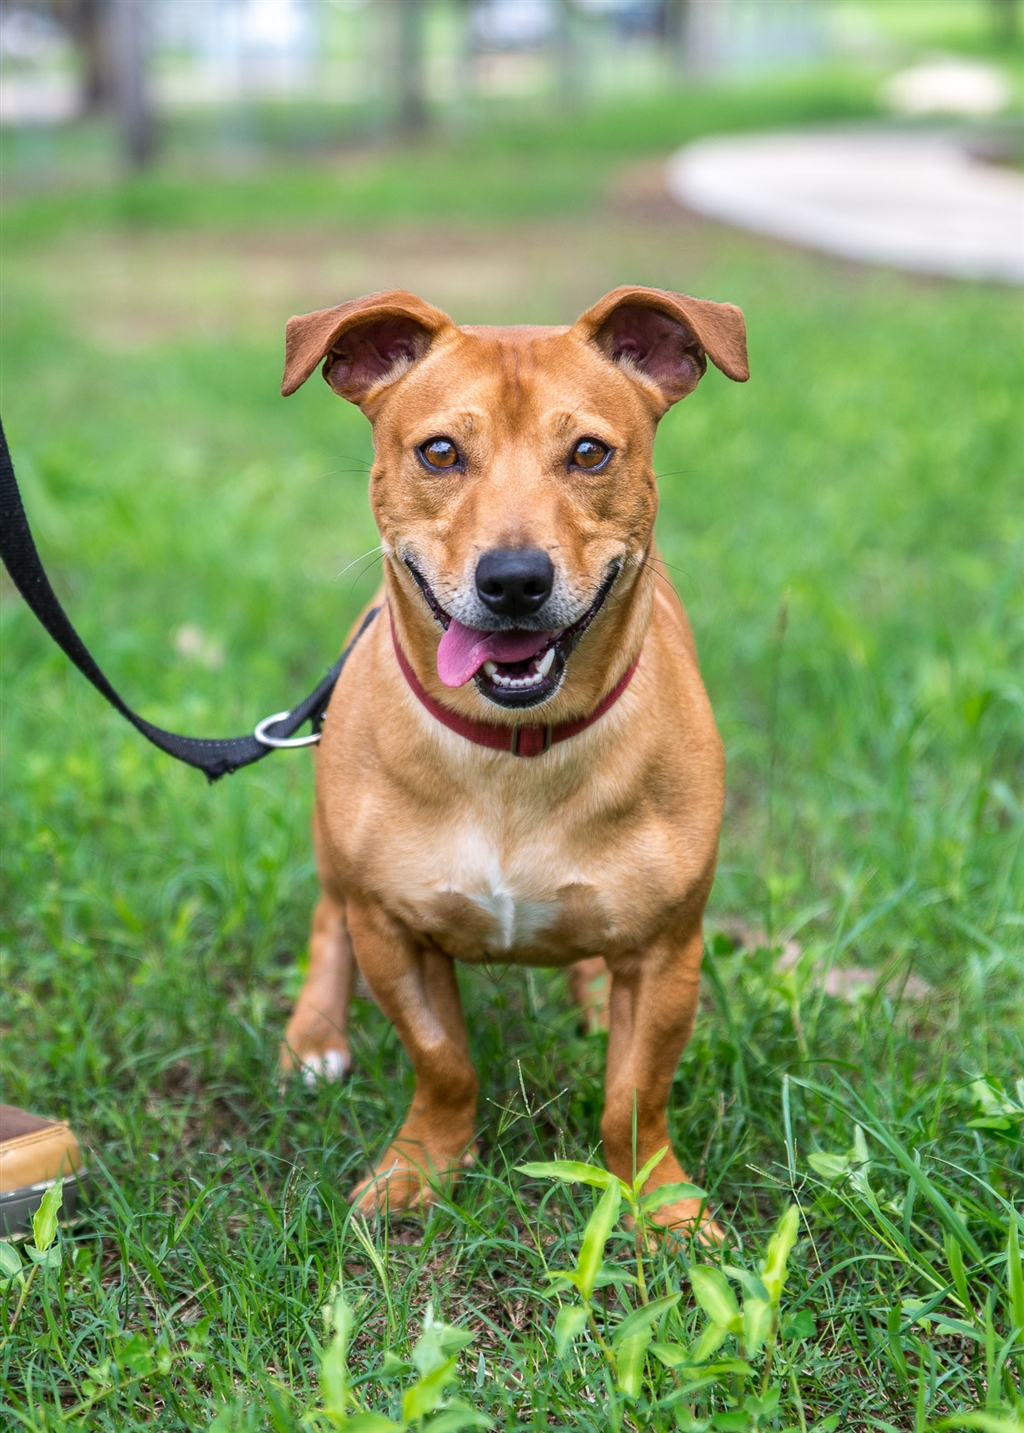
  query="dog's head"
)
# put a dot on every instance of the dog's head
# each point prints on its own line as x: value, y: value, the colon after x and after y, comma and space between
x: 513, y: 484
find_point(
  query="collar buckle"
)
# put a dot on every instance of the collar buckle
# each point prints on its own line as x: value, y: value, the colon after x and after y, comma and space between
x: 545, y: 745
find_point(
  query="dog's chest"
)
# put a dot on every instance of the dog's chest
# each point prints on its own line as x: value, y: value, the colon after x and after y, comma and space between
x: 484, y: 900
x: 515, y: 919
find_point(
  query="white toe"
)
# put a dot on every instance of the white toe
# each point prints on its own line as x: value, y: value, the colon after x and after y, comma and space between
x: 332, y: 1065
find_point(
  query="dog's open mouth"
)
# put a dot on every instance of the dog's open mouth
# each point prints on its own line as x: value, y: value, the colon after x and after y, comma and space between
x: 512, y: 667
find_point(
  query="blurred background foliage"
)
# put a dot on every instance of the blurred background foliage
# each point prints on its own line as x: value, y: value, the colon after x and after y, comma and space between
x: 225, y: 83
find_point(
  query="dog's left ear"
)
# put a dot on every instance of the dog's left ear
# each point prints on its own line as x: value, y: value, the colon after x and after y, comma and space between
x: 664, y: 340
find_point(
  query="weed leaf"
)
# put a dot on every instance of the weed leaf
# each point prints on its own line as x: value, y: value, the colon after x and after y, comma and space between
x: 136, y: 1356
x: 987, y: 1422
x: 333, y: 1364
x: 711, y: 1290
x: 672, y: 1355
x: 800, y: 1325
x: 45, y: 1258
x: 437, y: 1343
x: 570, y: 1171
x: 780, y: 1246
x: 830, y: 1166
x: 568, y: 1326
x: 668, y: 1194
x: 629, y: 1357
x: 370, y: 1423
x: 709, y: 1342
x: 424, y: 1395
x: 757, y: 1321
x: 644, y: 1316
x: 10, y: 1261
x: 749, y: 1283
x: 730, y: 1368
x: 224, y: 1421
x: 595, y: 1236
x: 453, y: 1420
x: 44, y: 1220
x: 648, y: 1169
x: 611, y: 1275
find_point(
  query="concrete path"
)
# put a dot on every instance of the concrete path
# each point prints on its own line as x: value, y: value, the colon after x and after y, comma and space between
x: 909, y: 201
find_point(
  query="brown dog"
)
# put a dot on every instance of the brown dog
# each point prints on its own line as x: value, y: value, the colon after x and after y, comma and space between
x: 519, y: 763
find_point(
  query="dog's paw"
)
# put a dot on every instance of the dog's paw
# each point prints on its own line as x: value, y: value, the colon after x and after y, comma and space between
x: 400, y: 1186
x: 688, y: 1219
x: 331, y: 1066
x: 392, y: 1191
x: 328, y: 1066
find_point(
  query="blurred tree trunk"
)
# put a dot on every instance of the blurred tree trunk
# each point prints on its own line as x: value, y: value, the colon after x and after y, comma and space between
x: 674, y: 19
x: 1005, y: 14
x: 88, y: 24
x: 465, y: 71
x: 134, y: 110
x: 412, y: 102
x: 700, y: 36
x: 567, y: 69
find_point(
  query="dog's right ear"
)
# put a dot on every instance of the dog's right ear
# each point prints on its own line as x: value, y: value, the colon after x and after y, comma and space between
x: 366, y: 344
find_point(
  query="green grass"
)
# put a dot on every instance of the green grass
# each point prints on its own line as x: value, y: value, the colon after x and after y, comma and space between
x: 519, y: 163
x: 847, y: 532
x: 950, y: 25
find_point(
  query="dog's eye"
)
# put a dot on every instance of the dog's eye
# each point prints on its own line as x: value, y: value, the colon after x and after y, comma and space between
x: 589, y: 453
x: 439, y: 453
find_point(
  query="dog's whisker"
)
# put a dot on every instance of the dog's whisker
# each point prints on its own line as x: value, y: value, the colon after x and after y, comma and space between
x: 681, y: 570
x: 363, y: 462
x: 666, y: 580
x: 367, y: 553
x: 364, y: 570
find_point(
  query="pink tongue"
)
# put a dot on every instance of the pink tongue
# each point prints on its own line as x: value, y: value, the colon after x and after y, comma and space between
x: 464, y: 650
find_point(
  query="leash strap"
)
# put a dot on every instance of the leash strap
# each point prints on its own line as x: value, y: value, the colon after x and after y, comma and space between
x: 215, y: 757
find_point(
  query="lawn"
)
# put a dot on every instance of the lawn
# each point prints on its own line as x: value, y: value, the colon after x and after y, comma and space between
x: 847, y: 531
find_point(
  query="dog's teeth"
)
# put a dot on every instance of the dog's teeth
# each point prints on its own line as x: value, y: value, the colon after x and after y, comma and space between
x: 518, y: 684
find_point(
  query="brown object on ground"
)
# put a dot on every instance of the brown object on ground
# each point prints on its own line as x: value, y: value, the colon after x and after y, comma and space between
x: 34, y: 1152
x: 502, y: 445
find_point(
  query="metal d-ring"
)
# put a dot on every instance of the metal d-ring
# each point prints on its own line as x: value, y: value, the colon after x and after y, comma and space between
x: 281, y: 741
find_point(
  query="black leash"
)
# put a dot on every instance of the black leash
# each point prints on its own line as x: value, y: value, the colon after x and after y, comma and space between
x: 216, y: 758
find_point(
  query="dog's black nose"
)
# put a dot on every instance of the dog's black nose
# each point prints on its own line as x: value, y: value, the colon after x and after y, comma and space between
x: 515, y: 581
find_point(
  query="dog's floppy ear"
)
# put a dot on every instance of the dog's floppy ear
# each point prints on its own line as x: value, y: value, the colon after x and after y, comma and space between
x: 664, y: 340
x: 365, y: 344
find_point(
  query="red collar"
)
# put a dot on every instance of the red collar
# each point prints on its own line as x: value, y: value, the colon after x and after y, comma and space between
x: 518, y: 740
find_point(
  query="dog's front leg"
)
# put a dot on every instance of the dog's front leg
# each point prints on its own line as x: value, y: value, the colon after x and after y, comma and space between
x: 316, y: 1038
x: 652, y: 1010
x: 415, y: 985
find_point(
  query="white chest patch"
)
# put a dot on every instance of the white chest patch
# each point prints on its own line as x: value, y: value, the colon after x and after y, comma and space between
x: 516, y: 921
x: 512, y: 898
